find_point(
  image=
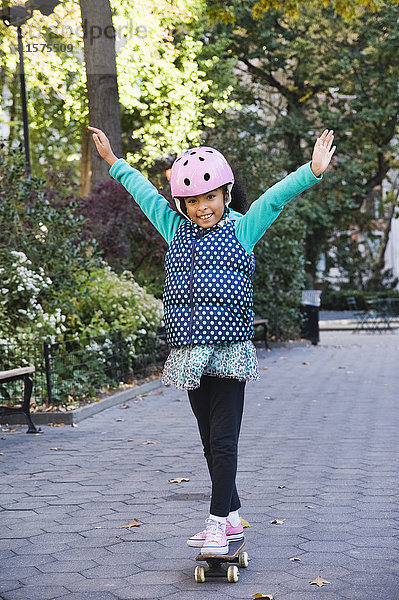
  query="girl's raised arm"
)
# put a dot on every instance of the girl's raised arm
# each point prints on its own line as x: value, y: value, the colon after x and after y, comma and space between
x: 265, y: 210
x: 151, y: 202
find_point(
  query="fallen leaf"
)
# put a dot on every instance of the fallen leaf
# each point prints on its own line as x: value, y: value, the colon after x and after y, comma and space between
x: 56, y: 424
x: 120, y: 420
x: 178, y: 479
x: 98, y: 527
x: 245, y: 523
x: 131, y: 440
x: 276, y: 522
x: 260, y: 596
x: 124, y: 406
x: 309, y: 506
x: 280, y: 487
x: 9, y: 429
x: 150, y: 442
x: 306, y: 362
x: 295, y: 558
x: 158, y: 393
x: 56, y: 448
x: 1, y: 454
x: 319, y: 581
x: 265, y: 368
x: 75, y: 425
x: 349, y: 372
x: 134, y: 523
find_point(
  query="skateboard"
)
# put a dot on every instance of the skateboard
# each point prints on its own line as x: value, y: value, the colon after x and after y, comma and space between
x: 222, y: 565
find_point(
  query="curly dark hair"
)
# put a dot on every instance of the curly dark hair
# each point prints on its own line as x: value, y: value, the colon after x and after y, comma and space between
x: 239, y: 201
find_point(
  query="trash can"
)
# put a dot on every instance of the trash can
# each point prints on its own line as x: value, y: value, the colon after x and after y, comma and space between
x: 310, y: 315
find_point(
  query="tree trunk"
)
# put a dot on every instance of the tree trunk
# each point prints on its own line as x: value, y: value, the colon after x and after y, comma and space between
x: 102, y: 84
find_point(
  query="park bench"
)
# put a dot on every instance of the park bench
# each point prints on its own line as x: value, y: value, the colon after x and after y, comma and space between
x: 25, y: 374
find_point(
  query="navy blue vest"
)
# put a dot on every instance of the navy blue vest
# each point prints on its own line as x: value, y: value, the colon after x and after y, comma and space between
x: 208, y: 291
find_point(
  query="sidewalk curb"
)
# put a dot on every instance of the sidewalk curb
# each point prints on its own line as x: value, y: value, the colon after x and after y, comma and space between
x: 73, y: 417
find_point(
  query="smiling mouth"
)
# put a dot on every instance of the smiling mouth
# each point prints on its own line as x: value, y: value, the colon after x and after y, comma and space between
x: 205, y: 217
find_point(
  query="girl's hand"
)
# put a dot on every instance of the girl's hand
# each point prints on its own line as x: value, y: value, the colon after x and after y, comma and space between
x: 103, y: 146
x: 322, y: 152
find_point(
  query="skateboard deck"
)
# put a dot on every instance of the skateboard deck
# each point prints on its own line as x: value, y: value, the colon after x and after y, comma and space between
x: 222, y: 565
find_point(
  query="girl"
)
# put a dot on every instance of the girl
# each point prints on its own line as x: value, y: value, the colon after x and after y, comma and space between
x: 208, y: 300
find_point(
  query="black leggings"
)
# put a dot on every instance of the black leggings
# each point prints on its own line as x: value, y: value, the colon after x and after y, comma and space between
x: 218, y: 404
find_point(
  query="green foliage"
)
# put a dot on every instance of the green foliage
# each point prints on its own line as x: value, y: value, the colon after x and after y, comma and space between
x: 306, y: 72
x: 55, y: 287
x: 167, y: 93
x: 109, y: 301
x: 349, y: 9
x: 40, y: 222
x: 55, y: 88
x: 126, y: 238
x: 169, y: 88
x: 49, y: 275
x: 280, y: 275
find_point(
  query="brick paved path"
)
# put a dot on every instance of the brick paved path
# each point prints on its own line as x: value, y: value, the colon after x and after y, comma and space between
x: 322, y: 421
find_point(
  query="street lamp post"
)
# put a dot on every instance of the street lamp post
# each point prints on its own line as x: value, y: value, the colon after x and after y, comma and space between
x: 17, y: 16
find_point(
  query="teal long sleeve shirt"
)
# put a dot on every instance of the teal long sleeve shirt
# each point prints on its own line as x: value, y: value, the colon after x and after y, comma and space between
x: 249, y: 228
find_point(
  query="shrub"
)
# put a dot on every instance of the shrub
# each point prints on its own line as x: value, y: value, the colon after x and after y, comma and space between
x: 55, y: 287
x: 280, y: 275
x: 125, y: 237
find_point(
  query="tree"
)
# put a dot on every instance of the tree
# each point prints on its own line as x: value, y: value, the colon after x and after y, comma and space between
x: 101, y: 81
x: 349, y: 9
x: 292, y: 86
x: 167, y: 94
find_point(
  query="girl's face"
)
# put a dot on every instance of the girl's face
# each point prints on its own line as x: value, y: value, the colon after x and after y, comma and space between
x: 206, y: 209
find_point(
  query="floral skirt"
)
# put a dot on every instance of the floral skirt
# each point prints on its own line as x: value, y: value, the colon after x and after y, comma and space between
x: 185, y: 365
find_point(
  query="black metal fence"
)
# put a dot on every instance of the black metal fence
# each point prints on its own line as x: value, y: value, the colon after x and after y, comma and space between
x: 77, y: 368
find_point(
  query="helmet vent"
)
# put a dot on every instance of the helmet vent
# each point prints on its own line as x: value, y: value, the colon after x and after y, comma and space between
x: 210, y: 151
x: 201, y: 158
x: 187, y: 182
x: 177, y: 159
x: 207, y: 176
x: 193, y: 152
x: 185, y: 163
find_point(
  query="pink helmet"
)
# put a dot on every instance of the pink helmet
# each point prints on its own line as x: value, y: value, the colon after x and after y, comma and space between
x: 197, y: 171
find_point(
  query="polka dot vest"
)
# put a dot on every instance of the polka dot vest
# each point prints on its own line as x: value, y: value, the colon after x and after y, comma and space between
x: 208, y: 292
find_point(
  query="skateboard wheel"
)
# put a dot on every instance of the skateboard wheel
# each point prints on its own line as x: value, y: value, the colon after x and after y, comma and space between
x: 199, y: 574
x: 243, y: 560
x: 232, y: 574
